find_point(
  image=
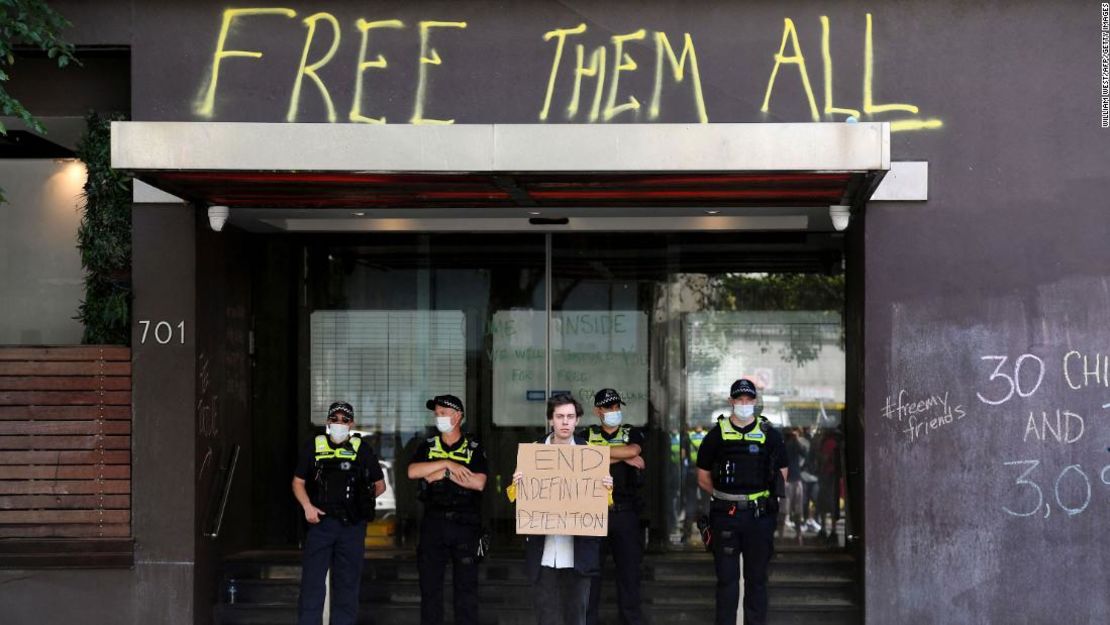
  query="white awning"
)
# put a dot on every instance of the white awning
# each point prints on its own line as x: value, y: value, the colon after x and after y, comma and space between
x: 313, y: 176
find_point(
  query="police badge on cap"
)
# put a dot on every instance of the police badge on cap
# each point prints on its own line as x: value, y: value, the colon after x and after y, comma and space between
x: 607, y: 397
x: 743, y: 386
x: 447, y: 401
x: 341, y: 407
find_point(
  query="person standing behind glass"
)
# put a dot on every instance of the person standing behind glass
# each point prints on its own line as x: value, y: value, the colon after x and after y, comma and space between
x: 737, y: 465
x: 452, y: 470
x: 625, y: 445
x: 561, y: 568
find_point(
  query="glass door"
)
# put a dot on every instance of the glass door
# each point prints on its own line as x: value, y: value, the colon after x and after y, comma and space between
x: 396, y: 319
x: 670, y: 320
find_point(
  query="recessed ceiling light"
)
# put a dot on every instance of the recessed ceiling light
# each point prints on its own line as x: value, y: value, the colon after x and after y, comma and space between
x: 533, y: 212
x: 712, y: 212
x: 359, y: 214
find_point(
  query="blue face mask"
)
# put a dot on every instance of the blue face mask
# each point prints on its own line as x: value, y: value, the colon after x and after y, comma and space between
x: 611, y: 419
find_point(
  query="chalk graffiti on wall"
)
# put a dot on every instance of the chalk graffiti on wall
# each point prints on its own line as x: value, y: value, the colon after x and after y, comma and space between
x: 598, y: 69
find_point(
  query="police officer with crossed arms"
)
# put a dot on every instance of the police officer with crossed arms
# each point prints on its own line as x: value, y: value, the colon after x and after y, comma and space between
x: 624, y: 541
x: 737, y: 465
x: 336, y: 482
x: 452, y: 470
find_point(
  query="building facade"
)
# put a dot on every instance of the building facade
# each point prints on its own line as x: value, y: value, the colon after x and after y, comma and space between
x: 403, y: 195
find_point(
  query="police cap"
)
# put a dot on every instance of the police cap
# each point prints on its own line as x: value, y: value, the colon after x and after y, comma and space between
x: 341, y: 406
x: 743, y: 386
x: 447, y: 401
x: 606, y: 397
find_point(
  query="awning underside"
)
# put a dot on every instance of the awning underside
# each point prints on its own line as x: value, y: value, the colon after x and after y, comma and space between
x: 340, y: 190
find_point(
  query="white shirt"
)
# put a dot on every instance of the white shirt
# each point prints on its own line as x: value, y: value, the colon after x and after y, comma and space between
x: 558, y: 551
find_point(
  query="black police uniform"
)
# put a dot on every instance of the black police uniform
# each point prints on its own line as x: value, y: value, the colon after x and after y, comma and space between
x: 743, y: 462
x: 623, y: 541
x: 450, y: 532
x: 340, y: 481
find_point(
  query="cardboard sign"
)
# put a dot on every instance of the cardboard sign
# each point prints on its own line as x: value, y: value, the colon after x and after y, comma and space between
x: 562, y: 492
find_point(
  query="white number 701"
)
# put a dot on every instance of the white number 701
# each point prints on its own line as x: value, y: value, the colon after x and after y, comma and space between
x: 163, y: 331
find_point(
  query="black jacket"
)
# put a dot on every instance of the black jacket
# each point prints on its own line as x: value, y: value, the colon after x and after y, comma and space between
x: 587, y: 549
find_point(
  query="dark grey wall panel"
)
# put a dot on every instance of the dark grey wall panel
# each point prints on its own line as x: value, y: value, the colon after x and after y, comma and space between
x: 165, y: 423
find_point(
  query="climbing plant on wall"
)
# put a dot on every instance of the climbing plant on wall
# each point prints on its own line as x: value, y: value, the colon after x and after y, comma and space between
x: 104, y: 238
x: 28, y: 24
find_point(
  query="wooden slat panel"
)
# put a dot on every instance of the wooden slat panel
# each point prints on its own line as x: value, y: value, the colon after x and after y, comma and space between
x: 65, y: 516
x: 66, y: 472
x: 64, y: 383
x: 68, y: 487
x: 65, y: 530
x: 122, y: 560
x: 64, y: 502
x: 43, y: 428
x: 65, y: 424
x: 56, y: 545
x: 64, y: 413
x: 65, y: 398
x: 92, y: 367
x: 84, y: 352
x: 27, y: 443
x: 65, y: 457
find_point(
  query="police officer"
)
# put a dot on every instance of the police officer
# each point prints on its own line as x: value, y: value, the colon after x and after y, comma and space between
x: 625, y: 445
x: 737, y: 465
x: 694, y: 504
x: 336, y: 481
x: 452, y: 470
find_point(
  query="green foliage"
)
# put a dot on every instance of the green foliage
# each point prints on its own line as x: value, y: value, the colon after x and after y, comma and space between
x: 785, y: 292
x: 29, y: 23
x: 104, y: 238
x: 780, y: 291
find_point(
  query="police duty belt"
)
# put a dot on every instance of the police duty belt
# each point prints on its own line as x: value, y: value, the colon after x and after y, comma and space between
x: 736, y: 497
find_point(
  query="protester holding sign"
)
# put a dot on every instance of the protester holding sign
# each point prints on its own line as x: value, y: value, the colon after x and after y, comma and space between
x: 561, y: 566
x: 625, y: 444
x: 452, y: 471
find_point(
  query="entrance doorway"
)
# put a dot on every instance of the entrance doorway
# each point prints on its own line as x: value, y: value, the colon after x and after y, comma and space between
x: 386, y: 321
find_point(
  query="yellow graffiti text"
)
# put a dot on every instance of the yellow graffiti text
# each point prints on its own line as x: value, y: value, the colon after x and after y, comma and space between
x: 560, y: 35
x: 208, y: 104
x: 790, y: 34
x: 595, y: 69
x: 428, y: 56
x: 678, y: 66
x: 830, y: 109
x: 365, y: 27
x: 594, y: 66
x: 309, y: 70
x: 867, y: 106
x: 622, y: 62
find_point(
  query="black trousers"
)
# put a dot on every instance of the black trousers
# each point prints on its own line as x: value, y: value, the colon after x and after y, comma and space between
x: 442, y: 541
x: 624, y: 543
x: 331, y: 544
x: 561, y: 597
x: 742, y: 533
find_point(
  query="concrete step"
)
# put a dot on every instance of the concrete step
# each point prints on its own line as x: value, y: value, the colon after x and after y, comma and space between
x: 801, y: 564
x: 517, y: 593
x: 811, y: 585
x: 410, y: 615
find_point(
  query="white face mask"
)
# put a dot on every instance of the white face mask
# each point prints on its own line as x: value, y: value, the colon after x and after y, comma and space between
x: 611, y: 419
x: 744, y: 410
x: 339, y: 432
x: 443, y: 424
